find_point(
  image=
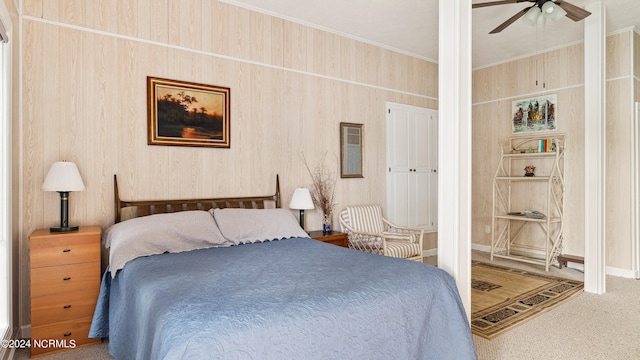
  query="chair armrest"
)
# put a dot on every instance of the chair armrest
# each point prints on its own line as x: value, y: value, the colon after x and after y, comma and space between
x: 398, y: 236
x: 364, y: 241
x: 394, y: 226
x: 416, y: 233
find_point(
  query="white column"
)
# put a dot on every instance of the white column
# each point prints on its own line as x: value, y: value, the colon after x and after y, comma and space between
x: 454, y: 141
x: 595, y: 147
x: 635, y: 213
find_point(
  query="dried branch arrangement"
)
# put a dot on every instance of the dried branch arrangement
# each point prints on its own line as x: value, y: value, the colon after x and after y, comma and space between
x: 322, y: 190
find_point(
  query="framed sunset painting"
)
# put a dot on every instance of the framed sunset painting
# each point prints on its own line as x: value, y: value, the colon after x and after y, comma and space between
x: 187, y: 114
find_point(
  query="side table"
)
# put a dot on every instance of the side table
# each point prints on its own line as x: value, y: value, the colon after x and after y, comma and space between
x: 332, y: 237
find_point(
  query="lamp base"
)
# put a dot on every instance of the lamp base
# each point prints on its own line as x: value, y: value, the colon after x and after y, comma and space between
x: 63, y: 229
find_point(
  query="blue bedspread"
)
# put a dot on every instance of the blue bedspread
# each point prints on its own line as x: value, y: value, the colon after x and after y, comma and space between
x: 288, y: 299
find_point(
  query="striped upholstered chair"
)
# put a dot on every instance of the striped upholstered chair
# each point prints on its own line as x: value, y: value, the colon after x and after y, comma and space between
x: 368, y: 231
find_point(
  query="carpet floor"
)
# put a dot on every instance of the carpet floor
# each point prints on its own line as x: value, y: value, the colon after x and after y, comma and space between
x: 504, y: 297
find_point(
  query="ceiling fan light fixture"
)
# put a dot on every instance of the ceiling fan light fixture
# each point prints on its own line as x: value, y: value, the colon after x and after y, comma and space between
x: 553, y: 11
x: 548, y: 7
x: 542, y: 20
x: 531, y: 16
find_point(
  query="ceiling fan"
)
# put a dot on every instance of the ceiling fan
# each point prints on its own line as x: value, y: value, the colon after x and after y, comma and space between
x: 549, y: 9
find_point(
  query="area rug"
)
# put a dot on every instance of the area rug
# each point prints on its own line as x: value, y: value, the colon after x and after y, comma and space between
x: 502, y: 297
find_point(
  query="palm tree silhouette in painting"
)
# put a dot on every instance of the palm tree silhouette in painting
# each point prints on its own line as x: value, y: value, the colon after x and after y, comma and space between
x: 179, y: 117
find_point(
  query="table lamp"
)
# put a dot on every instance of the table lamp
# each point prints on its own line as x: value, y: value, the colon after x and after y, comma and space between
x: 301, y: 200
x: 63, y: 177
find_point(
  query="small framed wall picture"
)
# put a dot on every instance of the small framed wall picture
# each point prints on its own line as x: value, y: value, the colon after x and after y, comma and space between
x: 351, y: 150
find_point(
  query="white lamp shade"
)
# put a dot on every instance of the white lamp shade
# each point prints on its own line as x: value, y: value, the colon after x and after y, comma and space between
x: 301, y: 200
x: 63, y: 176
x: 553, y: 11
x: 542, y: 20
x: 531, y: 16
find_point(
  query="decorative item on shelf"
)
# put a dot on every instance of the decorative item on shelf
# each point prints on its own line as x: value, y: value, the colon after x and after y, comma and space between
x: 63, y: 177
x: 533, y: 214
x: 529, y: 169
x: 301, y: 200
x: 322, y: 190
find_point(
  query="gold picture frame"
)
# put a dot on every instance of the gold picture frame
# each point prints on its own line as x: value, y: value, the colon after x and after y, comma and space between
x: 182, y: 113
x: 351, y: 150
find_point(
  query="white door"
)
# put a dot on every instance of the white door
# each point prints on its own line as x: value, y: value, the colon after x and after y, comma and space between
x: 398, y: 167
x: 412, y: 166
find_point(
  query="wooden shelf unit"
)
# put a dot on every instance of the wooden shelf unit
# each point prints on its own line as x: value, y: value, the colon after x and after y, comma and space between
x: 513, y: 236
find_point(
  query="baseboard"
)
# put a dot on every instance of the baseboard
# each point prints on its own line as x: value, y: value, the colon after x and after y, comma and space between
x: 629, y: 274
x: 434, y: 252
x: 25, y: 331
x: 483, y: 248
x: 430, y: 252
x: 609, y: 270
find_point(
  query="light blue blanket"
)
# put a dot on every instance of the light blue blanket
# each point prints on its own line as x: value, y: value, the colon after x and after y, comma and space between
x: 288, y: 299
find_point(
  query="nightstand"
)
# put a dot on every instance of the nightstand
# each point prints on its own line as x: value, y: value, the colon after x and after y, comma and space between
x: 332, y: 237
x: 65, y: 282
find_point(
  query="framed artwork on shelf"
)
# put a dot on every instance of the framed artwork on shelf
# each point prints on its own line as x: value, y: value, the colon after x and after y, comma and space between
x: 534, y: 114
x: 187, y: 114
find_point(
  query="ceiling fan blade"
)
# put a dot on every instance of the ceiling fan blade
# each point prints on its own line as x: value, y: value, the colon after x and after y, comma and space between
x: 503, y: 2
x: 510, y: 21
x: 573, y: 12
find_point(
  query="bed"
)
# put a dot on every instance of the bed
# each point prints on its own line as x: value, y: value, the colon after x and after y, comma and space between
x: 251, y: 284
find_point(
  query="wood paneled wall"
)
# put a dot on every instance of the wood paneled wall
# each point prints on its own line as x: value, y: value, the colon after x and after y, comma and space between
x: 84, y: 66
x: 562, y: 72
x: 84, y: 69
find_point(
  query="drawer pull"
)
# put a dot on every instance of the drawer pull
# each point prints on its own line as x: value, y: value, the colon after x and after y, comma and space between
x: 67, y: 334
x: 67, y: 278
x: 67, y: 306
x: 66, y: 250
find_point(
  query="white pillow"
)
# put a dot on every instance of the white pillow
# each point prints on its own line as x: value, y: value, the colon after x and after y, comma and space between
x: 241, y: 226
x: 160, y: 233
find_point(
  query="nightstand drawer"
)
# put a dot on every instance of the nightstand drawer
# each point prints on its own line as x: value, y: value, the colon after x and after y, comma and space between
x: 72, y: 248
x: 64, y: 250
x: 61, y: 336
x: 63, y: 306
x: 66, y: 278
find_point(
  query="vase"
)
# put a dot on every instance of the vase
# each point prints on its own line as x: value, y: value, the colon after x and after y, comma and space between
x: 326, y: 223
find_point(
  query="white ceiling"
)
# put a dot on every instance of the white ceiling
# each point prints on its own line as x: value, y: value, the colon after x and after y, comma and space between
x: 411, y: 26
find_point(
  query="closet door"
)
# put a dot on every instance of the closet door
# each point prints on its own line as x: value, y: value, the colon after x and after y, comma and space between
x: 398, y: 167
x: 420, y: 171
x: 411, y: 166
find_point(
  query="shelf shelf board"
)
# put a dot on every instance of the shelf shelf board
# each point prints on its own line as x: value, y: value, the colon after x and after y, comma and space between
x: 530, y: 155
x: 523, y: 178
x: 522, y: 258
x: 524, y: 218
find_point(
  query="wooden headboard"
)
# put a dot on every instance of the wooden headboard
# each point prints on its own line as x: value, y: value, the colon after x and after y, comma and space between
x: 149, y: 207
